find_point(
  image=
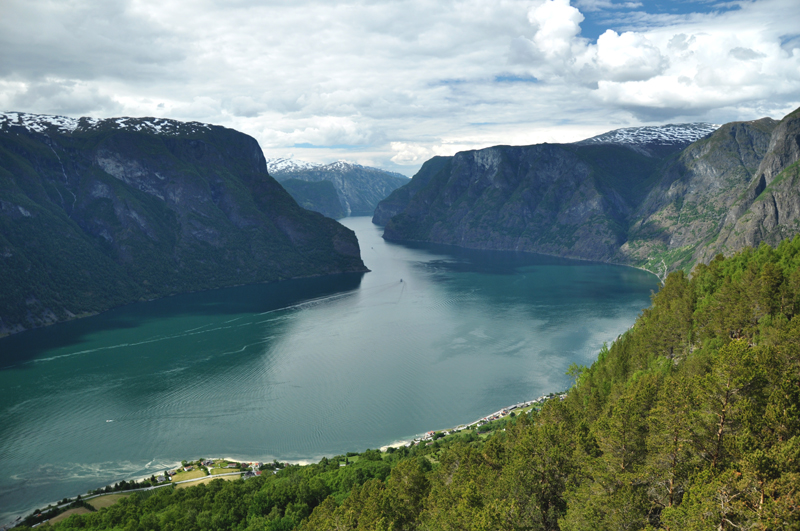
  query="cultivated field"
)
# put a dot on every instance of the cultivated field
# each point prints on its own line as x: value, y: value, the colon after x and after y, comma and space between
x: 106, y: 501
x: 192, y: 474
x: 207, y: 479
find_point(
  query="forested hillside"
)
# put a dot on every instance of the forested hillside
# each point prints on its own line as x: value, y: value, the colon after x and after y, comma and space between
x: 689, y: 421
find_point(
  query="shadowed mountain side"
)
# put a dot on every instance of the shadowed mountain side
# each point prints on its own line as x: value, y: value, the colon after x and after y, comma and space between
x: 94, y: 214
x: 566, y: 200
x: 319, y: 196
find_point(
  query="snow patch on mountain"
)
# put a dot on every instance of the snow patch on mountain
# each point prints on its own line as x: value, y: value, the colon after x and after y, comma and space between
x: 42, y: 123
x: 669, y: 134
x: 286, y: 165
x: 38, y: 123
x: 283, y: 166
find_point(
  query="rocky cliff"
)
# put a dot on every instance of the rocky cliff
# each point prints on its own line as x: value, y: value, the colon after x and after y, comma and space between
x: 769, y: 209
x: 660, y: 199
x: 98, y: 213
x: 360, y: 188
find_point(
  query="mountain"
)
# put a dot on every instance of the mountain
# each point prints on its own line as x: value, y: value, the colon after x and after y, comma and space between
x: 675, y: 225
x: 662, y: 198
x: 360, y: 188
x: 319, y: 196
x: 98, y: 213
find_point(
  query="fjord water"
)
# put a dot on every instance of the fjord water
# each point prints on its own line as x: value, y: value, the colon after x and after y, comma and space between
x: 430, y: 338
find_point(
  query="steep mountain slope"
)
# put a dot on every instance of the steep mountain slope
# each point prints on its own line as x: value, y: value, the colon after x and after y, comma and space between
x: 95, y: 214
x: 399, y: 198
x: 568, y: 200
x: 686, y: 207
x: 639, y: 196
x: 360, y: 188
x: 319, y: 196
x: 769, y: 210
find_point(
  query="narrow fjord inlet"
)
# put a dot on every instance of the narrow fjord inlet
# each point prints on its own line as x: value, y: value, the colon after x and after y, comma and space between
x: 300, y: 369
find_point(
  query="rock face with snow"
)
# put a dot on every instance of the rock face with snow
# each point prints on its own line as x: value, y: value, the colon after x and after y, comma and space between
x: 98, y: 213
x: 660, y: 140
x: 662, y: 198
x: 360, y: 188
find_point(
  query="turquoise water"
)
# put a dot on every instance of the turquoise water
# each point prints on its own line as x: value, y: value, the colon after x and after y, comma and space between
x: 430, y: 338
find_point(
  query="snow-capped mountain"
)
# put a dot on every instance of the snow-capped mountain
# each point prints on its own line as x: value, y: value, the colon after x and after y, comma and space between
x: 44, y: 123
x: 658, y: 134
x: 359, y: 187
x: 283, y: 165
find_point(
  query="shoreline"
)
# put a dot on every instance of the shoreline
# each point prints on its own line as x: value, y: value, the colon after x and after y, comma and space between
x: 427, y: 436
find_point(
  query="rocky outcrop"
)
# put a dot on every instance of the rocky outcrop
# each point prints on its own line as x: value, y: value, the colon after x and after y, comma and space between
x: 94, y: 214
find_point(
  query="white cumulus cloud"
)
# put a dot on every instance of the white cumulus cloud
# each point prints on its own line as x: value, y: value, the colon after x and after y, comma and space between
x: 398, y: 81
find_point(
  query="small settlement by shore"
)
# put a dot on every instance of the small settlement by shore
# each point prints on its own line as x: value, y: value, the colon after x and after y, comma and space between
x: 204, y: 470
x: 428, y: 437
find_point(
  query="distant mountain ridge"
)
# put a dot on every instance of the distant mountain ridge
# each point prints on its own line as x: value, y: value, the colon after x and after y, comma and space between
x: 279, y: 165
x: 661, y: 198
x: 98, y: 213
x: 359, y: 188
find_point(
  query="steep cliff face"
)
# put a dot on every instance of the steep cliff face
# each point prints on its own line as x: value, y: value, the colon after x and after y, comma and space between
x: 687, y: 205
x: 360, y: 188
x: 94, y: 214
x: 769, y: 209
x: 642, y: 196
x: 567, y: 200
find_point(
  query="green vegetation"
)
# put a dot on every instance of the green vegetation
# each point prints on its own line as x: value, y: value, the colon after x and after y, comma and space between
x: 205, y: 480
x: 106, y: 501
x: 192, y: 474
x: 67, y: 514
x: 690, y: 420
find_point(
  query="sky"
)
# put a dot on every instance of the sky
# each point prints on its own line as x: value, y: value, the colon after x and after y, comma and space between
x: 392, y: 83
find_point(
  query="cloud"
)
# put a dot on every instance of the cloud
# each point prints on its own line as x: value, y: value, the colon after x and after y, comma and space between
x: 55, y: 96
x: 599, y: 5
x: 686, y: 66
x: 398, y: 81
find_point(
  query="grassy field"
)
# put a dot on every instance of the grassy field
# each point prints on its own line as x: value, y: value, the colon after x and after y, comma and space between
x: 105, y: 501
x: 192, y: 474
x: 223, y: 470
x: 67, y: 514
x: 207, y: 479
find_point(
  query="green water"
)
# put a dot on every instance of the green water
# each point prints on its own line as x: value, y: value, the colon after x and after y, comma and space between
x: 300, y: 369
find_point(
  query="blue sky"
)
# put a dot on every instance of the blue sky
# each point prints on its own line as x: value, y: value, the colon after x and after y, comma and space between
x: 625, y: 15
x: 392, y: 83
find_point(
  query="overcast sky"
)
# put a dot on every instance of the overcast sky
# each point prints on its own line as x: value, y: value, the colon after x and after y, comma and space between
x: 392, y: 83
